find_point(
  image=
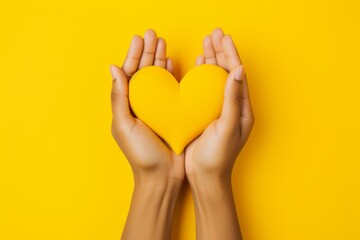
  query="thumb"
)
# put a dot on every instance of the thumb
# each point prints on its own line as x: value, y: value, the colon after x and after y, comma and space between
x: 231, y: 110
x: 119, y: 94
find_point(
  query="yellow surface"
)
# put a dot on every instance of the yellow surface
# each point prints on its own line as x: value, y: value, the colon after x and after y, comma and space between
x: 62, y: 175
x: 178, y: 112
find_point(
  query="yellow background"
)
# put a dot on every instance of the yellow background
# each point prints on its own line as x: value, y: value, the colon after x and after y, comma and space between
x: 62, y: 175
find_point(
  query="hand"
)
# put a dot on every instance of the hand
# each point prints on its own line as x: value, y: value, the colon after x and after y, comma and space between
x: 147, y: 154
x: 158, y: 171
x: 209, y: 159
x: 214, y: 153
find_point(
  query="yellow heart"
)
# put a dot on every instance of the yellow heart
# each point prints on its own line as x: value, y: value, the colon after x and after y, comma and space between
x: 178, y: 112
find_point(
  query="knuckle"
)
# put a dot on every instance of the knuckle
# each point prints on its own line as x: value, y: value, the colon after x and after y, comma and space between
x: 234, y: 98
x: 250, y: 121
x: 114, y: 131
x: 118, y: 128
x: 237, y: 98
x: 122, y: 127
x: 114, y: 96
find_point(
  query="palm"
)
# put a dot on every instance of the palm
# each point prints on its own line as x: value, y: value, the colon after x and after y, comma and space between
x: 202, y: 149
x: 146, y: 148
x: 149, y: 151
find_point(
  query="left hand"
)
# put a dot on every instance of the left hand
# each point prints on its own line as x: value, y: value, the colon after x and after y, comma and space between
x: 148, y: 155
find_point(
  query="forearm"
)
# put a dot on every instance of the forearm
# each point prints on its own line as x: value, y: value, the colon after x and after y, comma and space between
x: 215, y: 209
x: 151, y: 210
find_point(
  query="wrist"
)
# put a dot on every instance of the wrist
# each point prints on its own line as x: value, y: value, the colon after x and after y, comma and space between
x: 210, y: 181
x: 151, y: 209
x: 215, y: 210
x: 157, y: 186
x: 210, y: 187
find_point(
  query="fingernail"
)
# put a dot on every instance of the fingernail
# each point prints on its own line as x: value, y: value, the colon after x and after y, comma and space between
x: 238, y: 73
x: 113, y: 72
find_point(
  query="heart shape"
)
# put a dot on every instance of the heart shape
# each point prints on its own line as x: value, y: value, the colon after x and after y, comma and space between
x: 178, y: 112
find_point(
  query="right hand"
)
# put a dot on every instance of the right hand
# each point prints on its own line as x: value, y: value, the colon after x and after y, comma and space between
x: 213, y: 154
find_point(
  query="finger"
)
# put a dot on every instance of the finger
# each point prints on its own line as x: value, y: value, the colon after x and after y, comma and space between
x: 233, y: 97
x: 170, y: 65
x: 200, y: 60
x: 209, y: 52
x: 230, y: 52
x: 246, y: 110
x: 160, y: 54
x: 119, y: 96
x: 216, y: 38
x: 246, y: 116
x: 131, y: 62
x: 148, y: 54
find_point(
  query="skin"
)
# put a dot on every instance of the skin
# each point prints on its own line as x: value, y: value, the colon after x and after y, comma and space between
x: 207, y: 162
x: 210, y: 158
x: 158, y: 171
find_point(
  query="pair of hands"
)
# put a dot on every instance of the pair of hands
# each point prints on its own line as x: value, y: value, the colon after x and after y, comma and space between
x: 213, y: 153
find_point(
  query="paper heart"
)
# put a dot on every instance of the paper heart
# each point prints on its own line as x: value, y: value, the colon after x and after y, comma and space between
x: 178, y: 112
